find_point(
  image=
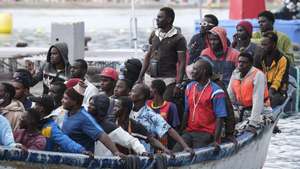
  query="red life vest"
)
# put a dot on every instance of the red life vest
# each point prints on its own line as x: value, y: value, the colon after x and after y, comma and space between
x: 243, y: 90
x: 201, y: 116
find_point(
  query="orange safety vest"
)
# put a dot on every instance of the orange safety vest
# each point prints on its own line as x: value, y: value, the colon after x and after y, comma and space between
x: 243, y: 90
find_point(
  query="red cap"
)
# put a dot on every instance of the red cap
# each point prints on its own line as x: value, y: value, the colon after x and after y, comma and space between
x: 110, y: 73
x: 72, y: 82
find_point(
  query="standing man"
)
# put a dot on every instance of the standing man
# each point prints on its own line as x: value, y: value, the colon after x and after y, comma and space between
x: 205, y: 109
x: 56, y: 68
x: 79, y: 70
x: 200, y: 40
x: 248, y: 90
x: 223, y: 57
x: 167, y: 49
x: 266, y: 20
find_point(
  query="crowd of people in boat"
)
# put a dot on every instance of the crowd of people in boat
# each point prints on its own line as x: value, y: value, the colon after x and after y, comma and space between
x: 183, y: 96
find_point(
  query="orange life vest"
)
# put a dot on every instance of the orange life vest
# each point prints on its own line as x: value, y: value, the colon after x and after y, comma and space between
x: 243, y: 90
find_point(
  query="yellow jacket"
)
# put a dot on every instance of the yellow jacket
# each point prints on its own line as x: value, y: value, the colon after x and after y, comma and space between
x: 277, y: 73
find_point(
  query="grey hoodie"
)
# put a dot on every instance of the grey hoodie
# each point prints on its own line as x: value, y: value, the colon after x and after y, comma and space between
x: 48, y: 72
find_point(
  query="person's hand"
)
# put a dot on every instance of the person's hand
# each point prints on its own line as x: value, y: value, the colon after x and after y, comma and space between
x: 119, y: 154
x: 176, y: 90
x: 88, y: 153
x: 251, y: 129
x: 169, y: 152
x: 272, y: 91
x: 190, y: 150
x: 145, y: 154
x: 140, y: 80
x: 20, y: 146
x: 217, y: 147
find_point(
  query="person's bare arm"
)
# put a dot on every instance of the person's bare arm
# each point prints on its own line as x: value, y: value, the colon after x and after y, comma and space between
x: 219, y: 126
x: 158, y: 145
x: 110, y: 145
x: 181, y: 68
x: 144, y: 67
x: 180, y: 140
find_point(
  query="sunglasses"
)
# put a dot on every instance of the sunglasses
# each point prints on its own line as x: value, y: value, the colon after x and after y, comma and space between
x: 205, y: 23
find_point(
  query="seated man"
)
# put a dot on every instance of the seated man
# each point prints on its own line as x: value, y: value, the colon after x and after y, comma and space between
x: 108, y: 79
x: 56, y: 139
x: 276, y: 67
x: 79, y: 70
x: 6, y: 134
x: 79, y: 125
x: 153, y: 122
x: 98, y: 107
x: 242, y: 41
x: 9, y: 107
x: 248, y: 90
x: 223, y: 57
x: 29, y: 134
x: 205, y: 108
x: 167, y: 110
x: 123, y: 108
x: 266, y: 20
x: 22, y: 81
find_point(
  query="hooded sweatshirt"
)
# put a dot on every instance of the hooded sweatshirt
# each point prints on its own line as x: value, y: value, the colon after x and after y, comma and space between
x: 13, y: 112
x: 48, y: 72
x: 117, y: 134
x: 225, y: 64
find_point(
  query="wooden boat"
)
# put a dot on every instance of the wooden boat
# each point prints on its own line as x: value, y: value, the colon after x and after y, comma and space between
x: 249, y: 153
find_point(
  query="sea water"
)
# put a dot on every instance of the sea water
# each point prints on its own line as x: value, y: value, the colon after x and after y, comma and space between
x: 109, y: 28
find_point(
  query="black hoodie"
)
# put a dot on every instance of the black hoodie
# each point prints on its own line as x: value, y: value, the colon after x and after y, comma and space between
x: 48, y: 72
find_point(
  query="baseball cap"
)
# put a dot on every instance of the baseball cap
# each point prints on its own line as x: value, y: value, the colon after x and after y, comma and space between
x: 110, y: 73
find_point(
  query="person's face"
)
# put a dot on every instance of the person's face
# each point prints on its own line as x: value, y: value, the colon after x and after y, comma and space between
x: 117, y: 109
x: 152, y: 92
x: 243, y: 64
x: 55, y: 92
x: 3, y: 95
x: 215, y: 42
x: 267, y: 45
x: 55, y: 57
x: 21, y: 91
x: 121, y: 89
x: 264, y: 24
x: 106, y: 83
x: 40, y: 109
x: 92, y: 107
x: 241, y: 32
x: 198, y: 71
x: 67, y: 102
x: 27, y: 121
x: 77, y: 71
x: 136, y: 93
x: 162, y: 20
x: 206, y: 24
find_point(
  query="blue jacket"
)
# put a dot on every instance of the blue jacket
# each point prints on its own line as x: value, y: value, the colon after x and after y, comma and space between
x: 55, y: 137
x: 6, y: 135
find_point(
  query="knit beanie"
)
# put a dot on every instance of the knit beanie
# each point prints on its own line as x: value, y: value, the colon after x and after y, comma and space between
x: 247, y: 26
